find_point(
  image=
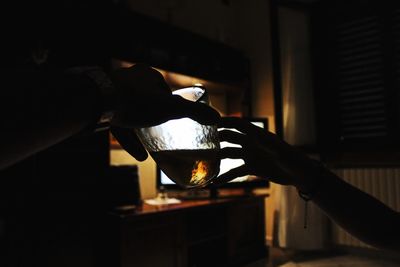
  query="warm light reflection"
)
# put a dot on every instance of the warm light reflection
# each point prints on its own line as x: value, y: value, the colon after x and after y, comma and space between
x: 199, y: 173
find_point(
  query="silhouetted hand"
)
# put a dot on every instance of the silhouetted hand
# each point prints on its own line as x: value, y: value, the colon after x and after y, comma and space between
x: 264, y: 155
x: 144, y: 99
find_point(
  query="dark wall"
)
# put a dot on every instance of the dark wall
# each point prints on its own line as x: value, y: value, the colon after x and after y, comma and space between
x: 356, y: 63
x: 51, y: 203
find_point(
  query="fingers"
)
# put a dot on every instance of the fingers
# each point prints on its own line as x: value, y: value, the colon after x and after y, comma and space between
x: 238, y: 124
x: 163, y: 108
x: 232, y: 137
x: 230, y: 175
x: 140, y: 75
x: 145, y: 99
x: 130, y: 142
x: 247, y: 128
x: 153, y: 75
x: 200, y: 112
x: 231, y: 153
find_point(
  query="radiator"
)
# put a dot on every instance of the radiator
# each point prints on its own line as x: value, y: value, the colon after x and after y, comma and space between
x: 382, y: 183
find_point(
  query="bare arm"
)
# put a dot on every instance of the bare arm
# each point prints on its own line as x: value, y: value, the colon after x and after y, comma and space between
x: 266, y: 155
x: 40, y: 109
x: 359, y: 213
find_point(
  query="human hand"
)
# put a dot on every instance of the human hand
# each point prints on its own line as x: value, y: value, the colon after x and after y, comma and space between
x: 264, y: 154
x: 144, y: 99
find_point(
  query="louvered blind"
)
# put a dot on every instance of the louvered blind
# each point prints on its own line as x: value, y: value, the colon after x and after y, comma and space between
x: 357, y: 81
x: 361, y: 93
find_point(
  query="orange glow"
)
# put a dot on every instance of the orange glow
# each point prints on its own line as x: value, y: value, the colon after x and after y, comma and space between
x: 199, y: 172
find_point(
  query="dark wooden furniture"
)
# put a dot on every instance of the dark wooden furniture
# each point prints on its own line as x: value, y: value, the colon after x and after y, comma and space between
x: 221, y: 232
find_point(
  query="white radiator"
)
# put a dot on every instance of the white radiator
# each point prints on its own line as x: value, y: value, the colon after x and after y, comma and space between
x: 382, y: 183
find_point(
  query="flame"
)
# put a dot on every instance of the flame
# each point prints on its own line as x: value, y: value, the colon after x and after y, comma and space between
x: 199, y: 172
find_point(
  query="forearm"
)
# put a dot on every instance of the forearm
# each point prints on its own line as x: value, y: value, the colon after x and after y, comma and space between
x: 42, y: 109
x: 359, y: 213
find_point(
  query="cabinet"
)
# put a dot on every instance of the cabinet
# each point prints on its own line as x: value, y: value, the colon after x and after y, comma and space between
x: 221, y: 232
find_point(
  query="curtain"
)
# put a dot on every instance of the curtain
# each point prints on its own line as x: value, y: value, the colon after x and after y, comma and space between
x: 299, y: 129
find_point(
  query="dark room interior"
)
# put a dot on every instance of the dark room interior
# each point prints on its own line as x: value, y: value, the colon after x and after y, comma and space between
x: 321, y: 75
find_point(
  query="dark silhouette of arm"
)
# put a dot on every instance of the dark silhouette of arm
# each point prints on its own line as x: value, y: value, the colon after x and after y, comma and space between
x: 42, y: 108
x: 359, y: 213
x: 266, y: 155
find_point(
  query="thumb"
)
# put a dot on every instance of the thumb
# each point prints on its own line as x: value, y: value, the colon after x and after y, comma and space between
x: 129, y: 141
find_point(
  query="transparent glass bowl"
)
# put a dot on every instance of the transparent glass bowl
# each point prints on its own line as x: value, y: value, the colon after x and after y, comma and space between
x: 185, y: 150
